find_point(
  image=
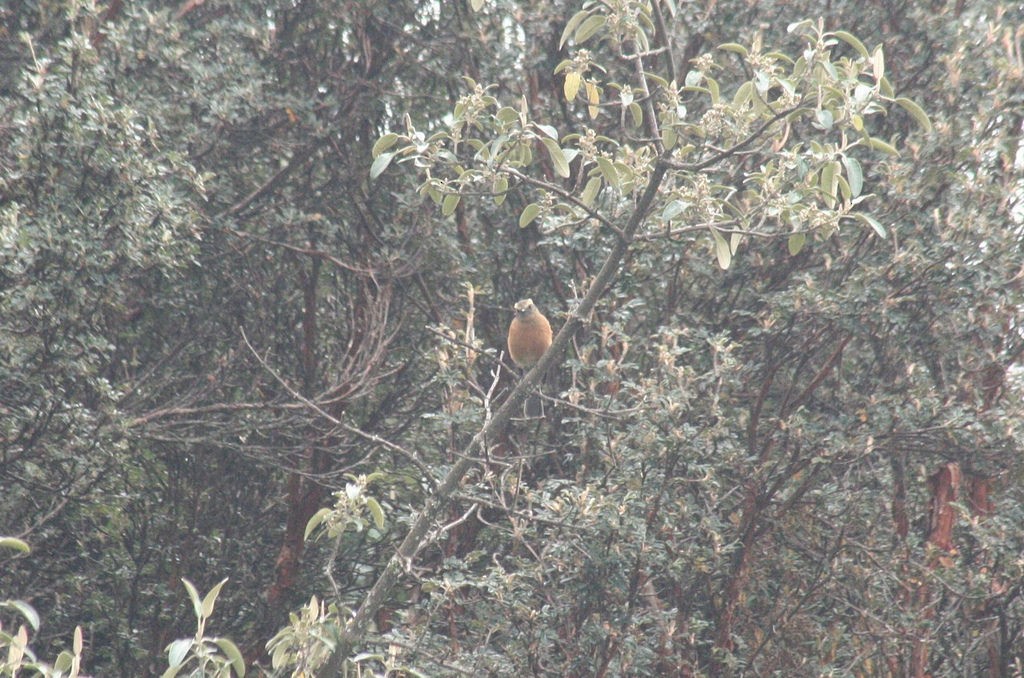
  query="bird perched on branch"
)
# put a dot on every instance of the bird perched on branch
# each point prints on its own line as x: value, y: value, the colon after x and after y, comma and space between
x: 529, y: 335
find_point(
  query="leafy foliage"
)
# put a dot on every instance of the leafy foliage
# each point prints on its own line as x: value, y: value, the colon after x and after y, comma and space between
x: 253, y: 254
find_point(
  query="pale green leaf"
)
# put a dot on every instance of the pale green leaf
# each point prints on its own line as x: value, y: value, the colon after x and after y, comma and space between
x: 380, y: 163
x: 674, y: 209
x: 384, y: 143
x: 722, y: 251
x: 743, y: 94
x: 883, y: 146
x: 450, y: 202
x: 844, y: 187
x: 872, y: 222
x: 376, y: 511
x: 211, y: 598
x: 796, y: 243
x: 193, y: 595
x: 916, y: 112
x: 735, y: 238
x: 591, y: 190
x: 314, y: 521
x: 735, y: 47
x: 230, y: 650
x: 476, y: 5
x: 853, y: 42
x: 571, y: 87
x: 529, y: 213
x: 550, y: 131
x: 15, y: 544
x: 713, y: 88
x: 878, y: 63
x: 558, y: 160
x: 25, y: 610
x: 571, y: 25
x: 828, y: 182
x: 588, y: 28
x: 63, y: 662
x: 608, y: 171
x: 593, y: 99
x: 669, y: 138
x: 177, y: 651
x: 800, y: 27
x: 885, y: 88
x: 636, y: 113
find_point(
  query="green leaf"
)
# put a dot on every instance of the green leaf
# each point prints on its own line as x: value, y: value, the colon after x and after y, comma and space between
x: 883, y: 146
x: 713, y: 88
x: 314, y: 522
x: 450, y: 202
x: 529, y: 213
x: 550, y: 131
x: 796, y: 243
x: 571, y: 25
x: 476, y: 5
x: 608, y: 171
x: 593, y: 99
x: 571, y: 87
x: 872, y: 222
x: 26, y: 611
x: 828, y: 182
x: 669, y: 138
x: 800, y: 27
x: 380, y: 163
x: 735, y: 238
x: 588, y: 28
x: 636, y: 114
x: 557, y: 157
x: 916, y: 112
x: 878, y: 63
x: 885, y: 88
x: 844, y: 187
x: 15, y: 544
x: 177, y: 651
x: 734, y: 47
x: 193, y: 595
x: 674, y: 209
x: 376, y: 511
x: 63, y: 662
x: 853, y: 42
x: 854, y: 174
x: 230, y: 650
x: 384, y: 143
x: 743, y: 94
x: 211, y: 598
x: 722, y: 251
x: 591, y: 190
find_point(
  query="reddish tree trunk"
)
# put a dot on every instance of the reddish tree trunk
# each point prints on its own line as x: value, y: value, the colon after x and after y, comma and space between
x: 945, y: 489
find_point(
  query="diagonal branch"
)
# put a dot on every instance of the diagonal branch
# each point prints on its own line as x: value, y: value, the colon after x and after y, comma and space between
x: 356, y: 628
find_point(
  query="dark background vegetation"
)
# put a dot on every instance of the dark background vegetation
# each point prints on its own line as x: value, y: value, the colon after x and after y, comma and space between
x: 754, y: 480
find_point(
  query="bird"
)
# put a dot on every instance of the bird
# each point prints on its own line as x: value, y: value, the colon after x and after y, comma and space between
x: 529, y: 335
